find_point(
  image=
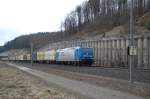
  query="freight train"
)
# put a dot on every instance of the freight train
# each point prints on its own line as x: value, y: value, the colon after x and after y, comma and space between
x: 73, y: 55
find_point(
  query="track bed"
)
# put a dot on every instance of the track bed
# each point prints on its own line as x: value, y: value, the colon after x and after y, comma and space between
x: 139, y: 75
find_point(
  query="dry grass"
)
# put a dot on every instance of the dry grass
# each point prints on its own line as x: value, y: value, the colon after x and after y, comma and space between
x: 14, y: 84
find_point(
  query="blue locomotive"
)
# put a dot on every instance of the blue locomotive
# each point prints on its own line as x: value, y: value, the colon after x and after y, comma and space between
x: 75, y: 55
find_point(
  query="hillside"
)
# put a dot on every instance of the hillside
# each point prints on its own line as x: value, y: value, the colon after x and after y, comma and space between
x: 38, y: 39
x: 91, y: 31
x: 141, y: 28
x: 92, y: 20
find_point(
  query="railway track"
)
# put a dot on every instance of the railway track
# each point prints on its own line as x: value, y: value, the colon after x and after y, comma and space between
x: 139, y: 75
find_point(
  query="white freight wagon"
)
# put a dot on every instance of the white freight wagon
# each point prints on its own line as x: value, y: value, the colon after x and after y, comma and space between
x: 20, y: 57
x: 28, y: 57
x: 67, y: 54
x: 50, y: 55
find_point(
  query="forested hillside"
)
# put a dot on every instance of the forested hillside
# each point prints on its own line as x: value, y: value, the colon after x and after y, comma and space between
x: 38, y: 40
x: 104, y: 14
x: 101, y: 16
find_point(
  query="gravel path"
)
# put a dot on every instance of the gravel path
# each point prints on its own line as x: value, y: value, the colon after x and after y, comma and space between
x: 92, y: 91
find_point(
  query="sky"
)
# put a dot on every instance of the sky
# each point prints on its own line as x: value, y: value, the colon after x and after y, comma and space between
x: 19, y: 17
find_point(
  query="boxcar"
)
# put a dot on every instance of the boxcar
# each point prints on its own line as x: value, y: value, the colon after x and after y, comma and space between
x: 17, y: 58
x: 20, y: 57
x: 49, y: 56
x: 28, y: 57
x: 40, y: 56
x: 25, y: 57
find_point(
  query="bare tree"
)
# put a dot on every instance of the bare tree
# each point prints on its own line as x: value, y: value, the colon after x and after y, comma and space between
x: 109, y: 13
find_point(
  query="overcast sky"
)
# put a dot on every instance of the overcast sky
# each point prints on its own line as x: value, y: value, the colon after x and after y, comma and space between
x: 19, y: 17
